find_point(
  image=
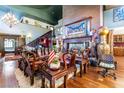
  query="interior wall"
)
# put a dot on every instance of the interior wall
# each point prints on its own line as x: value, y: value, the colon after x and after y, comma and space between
x: 118, y: 31
x: 23, y: 29
x: 73, y: 13
x: 108, y: 20
x: 19, y: 41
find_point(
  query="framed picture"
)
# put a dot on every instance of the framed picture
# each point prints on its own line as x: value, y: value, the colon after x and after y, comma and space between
x: 118, y: 14
x: 79, y: 28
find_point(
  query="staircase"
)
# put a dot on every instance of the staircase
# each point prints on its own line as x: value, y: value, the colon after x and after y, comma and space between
x: 43, y: 40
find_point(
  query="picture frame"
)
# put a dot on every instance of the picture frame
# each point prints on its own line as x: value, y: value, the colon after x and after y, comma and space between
x: 118, y: 14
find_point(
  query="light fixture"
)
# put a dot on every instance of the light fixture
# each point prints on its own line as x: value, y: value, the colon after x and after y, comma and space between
x: 22, y: 36
x: 51, y: 28
x: 10, y: 19
x: 29, y: 35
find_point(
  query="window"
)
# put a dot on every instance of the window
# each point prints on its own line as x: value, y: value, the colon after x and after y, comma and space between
x: 9, y: 43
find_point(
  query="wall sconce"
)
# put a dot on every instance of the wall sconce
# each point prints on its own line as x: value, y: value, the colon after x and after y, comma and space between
x: 22, y: 36
x: 51, y: 28
x: 29, y: 35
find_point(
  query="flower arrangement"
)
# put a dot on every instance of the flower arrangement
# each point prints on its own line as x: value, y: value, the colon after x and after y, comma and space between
x: 55, y: 65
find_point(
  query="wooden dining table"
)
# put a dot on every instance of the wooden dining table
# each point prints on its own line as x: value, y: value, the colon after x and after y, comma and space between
x: 53, y: 75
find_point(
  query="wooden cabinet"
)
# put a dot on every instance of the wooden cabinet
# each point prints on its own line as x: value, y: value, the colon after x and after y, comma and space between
x: 119, y: 51
x: 119, y: 38
x: 119, y: 45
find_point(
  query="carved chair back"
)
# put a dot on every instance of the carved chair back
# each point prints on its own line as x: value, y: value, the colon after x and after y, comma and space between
x: 69, y: 60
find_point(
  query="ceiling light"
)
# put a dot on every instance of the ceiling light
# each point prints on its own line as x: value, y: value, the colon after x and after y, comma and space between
x: 9, y: 19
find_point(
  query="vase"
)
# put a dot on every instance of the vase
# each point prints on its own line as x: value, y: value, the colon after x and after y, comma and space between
x: 103, y: 47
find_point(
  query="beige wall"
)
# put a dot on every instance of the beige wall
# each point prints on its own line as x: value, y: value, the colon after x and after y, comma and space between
x: 75, y: 12
x: 23, y: 29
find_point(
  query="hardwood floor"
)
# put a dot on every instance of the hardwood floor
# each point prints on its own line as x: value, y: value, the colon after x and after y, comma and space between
x: 7, y: 76
x: 89, y: 80
x: 93, y: 80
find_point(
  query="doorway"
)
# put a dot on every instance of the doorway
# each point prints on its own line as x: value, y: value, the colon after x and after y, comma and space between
x: 9, y: 45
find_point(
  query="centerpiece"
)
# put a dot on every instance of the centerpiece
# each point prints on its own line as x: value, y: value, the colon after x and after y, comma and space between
x: 53, y: 61
x: 55, y: 64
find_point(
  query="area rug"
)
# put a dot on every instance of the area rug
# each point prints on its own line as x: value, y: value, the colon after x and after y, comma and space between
x: 24, y: 82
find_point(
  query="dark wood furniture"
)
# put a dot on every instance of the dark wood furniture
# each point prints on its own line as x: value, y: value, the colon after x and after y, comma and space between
x: 30, y: 65
x: 83, y: 61
x: 2, y: 54
x: 64, y: 70
x: 78, y: 40
x: 69, y: 59
x: 21, y: 64
x: 32, y: 69
x: 83, y: 64
x: 52, y: 76
x: 118, y: 45
x: 41, y: 55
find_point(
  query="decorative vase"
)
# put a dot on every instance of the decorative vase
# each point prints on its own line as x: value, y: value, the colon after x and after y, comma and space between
x: 103, y: 47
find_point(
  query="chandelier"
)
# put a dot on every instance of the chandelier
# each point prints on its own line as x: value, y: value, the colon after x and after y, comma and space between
x: 10, y: 19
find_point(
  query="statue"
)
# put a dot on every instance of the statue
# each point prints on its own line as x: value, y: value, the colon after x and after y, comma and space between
x: 103, y: 47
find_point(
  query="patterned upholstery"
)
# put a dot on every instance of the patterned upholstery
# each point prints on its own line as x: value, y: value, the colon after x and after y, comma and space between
x: 107, y: 61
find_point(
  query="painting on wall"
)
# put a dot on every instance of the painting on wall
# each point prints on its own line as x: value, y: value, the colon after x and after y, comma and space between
x: 118, y: 14
x: 78, y: 29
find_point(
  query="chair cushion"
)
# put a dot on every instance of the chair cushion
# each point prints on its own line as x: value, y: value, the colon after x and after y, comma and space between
x: 107, y: 61
x: 106, y: 65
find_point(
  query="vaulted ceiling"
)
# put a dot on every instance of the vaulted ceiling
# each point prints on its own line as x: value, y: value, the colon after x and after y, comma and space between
x: 46, y: 13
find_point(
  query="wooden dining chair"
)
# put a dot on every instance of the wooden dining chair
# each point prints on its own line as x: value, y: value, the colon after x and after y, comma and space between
x: 85, y: 56
x: 63, y: 71
x: 40, y: 55
x: 21, y: 62
x: 69, y: 61
x: 32, y: 64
